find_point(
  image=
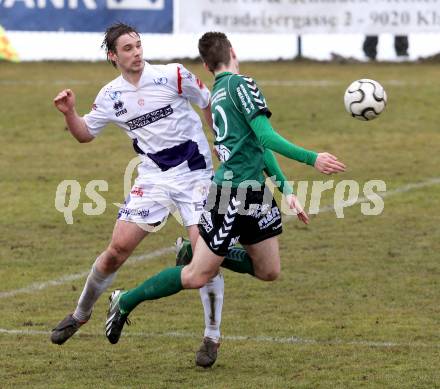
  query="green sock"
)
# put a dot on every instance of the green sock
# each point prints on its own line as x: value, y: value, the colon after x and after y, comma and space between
x: 163, y: 284
x: 237, y: 259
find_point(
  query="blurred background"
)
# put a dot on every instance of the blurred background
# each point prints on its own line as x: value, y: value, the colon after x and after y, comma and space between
x: 260, y: 30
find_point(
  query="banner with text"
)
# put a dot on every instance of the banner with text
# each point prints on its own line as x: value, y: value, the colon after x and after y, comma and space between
x: 309, y: 16
x: 153, y: 16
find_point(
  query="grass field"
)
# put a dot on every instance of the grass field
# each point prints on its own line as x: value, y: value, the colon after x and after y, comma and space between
x: 357, y: 304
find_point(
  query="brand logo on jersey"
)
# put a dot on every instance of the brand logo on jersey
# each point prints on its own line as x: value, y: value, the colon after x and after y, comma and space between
x: 161, y: 81
x: 117, y: 106
x: 149, y: 118
x: 141, y: 102
x: 115, y: 95
x: 94, y: 107
x: 233, y: 241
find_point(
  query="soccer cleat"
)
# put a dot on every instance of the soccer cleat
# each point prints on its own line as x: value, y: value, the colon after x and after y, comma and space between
x: 207, y: 353
x: 65, y: 329
x: 115, y: 318
x: 183, y: 251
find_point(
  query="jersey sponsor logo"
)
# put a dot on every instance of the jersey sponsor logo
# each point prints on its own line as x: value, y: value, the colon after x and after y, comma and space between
x: 256, y: 210
x: 245, y: 99
x: 160, y: 81
x: 141, y: 102
x: 270, y: 218
x: 133, y: 212
x: 149, y: 118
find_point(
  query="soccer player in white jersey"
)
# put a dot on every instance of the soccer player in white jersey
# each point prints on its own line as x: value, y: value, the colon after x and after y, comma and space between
x: 151, y: 103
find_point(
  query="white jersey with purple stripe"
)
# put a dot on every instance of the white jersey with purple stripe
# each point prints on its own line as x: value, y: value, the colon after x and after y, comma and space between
x: 157, y: 115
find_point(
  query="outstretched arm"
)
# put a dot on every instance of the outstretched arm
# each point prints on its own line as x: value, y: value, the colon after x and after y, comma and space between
x: 65, y: 103
x: 324, y: 162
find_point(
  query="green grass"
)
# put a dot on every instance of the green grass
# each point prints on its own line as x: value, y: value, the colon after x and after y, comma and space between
x: 359, y: 294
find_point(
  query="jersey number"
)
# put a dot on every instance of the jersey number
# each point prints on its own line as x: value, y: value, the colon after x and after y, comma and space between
x: 222, y: 113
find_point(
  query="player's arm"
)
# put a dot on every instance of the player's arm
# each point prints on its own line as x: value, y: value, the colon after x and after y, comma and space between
x: 208, y: 116
x: 324, y: 162
x: 65, y: 103
x: 272, y: 169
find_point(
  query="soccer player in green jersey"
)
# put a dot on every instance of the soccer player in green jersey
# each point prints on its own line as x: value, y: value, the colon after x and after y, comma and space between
x: 239, y: 207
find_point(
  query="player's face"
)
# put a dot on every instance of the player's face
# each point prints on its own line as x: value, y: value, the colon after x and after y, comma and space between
x: 129, y: 53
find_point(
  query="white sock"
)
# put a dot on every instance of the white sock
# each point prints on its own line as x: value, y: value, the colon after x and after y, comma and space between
x: 212, y: 299
x: 95, y: 285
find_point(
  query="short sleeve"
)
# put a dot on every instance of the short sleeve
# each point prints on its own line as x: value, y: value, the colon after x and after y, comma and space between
x: 191, y: 87
x: 250, y: 99
x: 97, y: 118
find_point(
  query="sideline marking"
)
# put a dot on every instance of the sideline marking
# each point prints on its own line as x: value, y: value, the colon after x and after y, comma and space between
x: 238, y: 338
x: 157, y: 253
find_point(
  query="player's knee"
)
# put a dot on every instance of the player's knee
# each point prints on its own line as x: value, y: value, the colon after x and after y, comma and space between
x: 272, y: 275
x: 268, y: 274
x: 115, y: 256
x: 192, y: 279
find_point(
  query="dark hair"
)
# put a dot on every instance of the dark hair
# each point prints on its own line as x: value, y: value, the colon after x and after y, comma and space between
x: 214, y: 49
x: 111, y: 36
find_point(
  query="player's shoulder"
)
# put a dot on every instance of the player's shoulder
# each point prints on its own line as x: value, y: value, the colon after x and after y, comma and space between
x: 169, y: 70
x: 112, y: 89
x: 240, y: 79
x: 246, y: 79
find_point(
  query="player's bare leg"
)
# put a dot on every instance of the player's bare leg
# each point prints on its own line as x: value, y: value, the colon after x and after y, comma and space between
x: 126, y: 236
x: 265, y: 258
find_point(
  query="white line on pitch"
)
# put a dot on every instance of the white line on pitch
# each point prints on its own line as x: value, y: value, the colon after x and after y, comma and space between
x: 72, y: 277
x: 237, y: 338
x: 166, y: 250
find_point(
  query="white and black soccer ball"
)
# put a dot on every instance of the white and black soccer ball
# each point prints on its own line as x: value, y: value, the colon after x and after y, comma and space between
x: 365, y: 99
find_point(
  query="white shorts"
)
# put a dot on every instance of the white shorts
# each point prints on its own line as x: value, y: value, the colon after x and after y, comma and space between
x: 183, y: 195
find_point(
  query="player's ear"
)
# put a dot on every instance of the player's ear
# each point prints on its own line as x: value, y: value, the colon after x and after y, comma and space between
x: 205, y: 65
x: 232, y: 53
x: 112, y: 56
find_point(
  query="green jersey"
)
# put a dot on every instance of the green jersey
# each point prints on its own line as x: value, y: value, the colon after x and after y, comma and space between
x: 235, y: 101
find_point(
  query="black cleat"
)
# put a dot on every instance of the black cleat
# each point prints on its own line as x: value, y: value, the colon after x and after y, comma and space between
x: 207, y: 353
x: 65, y: 329
x: 115, y: 318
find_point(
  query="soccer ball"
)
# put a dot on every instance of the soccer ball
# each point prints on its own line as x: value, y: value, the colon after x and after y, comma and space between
x: 365, y: 99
